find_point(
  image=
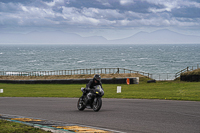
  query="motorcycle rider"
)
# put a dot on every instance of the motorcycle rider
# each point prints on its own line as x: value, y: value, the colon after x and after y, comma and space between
x: 90, y: 86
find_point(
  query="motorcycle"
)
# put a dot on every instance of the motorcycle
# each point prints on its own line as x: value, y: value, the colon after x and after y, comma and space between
x: 94, y: 102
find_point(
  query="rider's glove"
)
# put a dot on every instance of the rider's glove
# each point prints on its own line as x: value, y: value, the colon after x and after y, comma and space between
x: 83, y: 89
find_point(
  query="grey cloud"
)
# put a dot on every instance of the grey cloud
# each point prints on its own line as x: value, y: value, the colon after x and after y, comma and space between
x: 23, y: 1
x: 187, y: 12
x: 9, y: 7
x: 99, y: 13
x: 135, y: 6
x: 57, y: 9
x: 17, y: 1
x: 198, y: 1
x: 37, y: 3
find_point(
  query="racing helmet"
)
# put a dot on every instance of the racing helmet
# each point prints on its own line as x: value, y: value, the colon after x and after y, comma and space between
x: 97, y: 77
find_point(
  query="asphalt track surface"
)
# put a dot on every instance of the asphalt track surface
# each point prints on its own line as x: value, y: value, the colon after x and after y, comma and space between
x: 125, y: 115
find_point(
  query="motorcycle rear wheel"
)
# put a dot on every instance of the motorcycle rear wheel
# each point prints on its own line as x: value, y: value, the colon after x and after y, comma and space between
x: 80, y: 104
x: 97, y: 105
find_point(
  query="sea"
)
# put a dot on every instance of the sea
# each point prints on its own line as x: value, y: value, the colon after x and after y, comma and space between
x: 151, y: 58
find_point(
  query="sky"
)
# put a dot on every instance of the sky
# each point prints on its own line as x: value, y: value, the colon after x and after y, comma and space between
x: 112, y: 19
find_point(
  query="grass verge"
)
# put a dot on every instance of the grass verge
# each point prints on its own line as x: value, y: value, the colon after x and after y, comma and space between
x: 12, y: 127
x: 171, y: 90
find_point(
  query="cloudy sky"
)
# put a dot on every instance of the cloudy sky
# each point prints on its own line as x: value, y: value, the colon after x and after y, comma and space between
x: 108, y: 18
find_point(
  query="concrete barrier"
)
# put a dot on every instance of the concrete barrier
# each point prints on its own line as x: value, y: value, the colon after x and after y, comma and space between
x: 190, y: 78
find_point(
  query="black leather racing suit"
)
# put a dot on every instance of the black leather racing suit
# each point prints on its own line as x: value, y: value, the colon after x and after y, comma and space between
x: 92, y: 83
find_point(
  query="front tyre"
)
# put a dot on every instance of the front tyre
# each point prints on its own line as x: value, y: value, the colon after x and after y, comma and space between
x: 80, y: 104
x: 97, y: 104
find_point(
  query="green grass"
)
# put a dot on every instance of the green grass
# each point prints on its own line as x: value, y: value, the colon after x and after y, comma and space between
x: 12, y: 127
x: 171, y: 90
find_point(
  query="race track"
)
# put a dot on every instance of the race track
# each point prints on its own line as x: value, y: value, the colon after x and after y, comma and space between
x: 125, y: 115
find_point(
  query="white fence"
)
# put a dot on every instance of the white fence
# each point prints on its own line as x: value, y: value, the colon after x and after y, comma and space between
x: 163, y: 76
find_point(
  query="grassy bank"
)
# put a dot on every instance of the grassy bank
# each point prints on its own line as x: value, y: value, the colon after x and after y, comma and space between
x: 78, y: 76
x: 12, y: 127
x: 194, y: 72
x: 172, y: 90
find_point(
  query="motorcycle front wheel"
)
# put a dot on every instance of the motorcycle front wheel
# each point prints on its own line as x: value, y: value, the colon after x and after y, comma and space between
x: 97, y: 104
x: 80, y: 104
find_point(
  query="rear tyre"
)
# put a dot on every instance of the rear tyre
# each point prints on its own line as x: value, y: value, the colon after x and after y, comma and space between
x: 97, y: 104
x: 80, y: 104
